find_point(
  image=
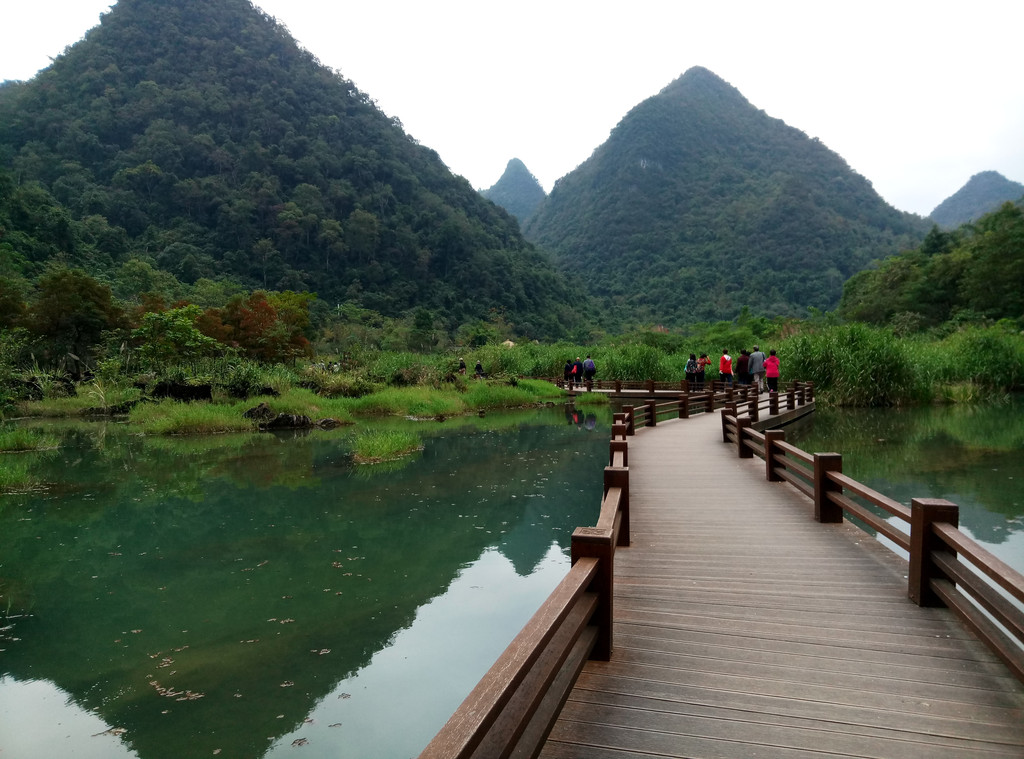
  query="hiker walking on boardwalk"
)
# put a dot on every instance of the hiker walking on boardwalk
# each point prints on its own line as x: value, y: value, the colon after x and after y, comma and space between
x: 756, y: 369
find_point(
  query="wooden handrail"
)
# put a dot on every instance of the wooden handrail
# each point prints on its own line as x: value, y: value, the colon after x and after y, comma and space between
x: 511, y: 710
x: 947, y: 567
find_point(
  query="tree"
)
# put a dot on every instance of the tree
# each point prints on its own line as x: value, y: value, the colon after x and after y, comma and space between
x: 169, y: 336
x: 70, y: 312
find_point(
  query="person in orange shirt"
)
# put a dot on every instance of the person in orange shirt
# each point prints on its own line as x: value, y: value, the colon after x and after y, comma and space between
x: 725, y: 368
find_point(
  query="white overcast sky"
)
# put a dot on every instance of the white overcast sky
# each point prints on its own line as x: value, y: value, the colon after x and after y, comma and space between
x: 916, y: 96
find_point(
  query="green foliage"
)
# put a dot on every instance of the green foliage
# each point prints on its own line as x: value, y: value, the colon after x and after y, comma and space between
x: 376, y: 446
x: 517, y: 191
x: 860, y: 365
x: 167, y: 336
x: 20, y: 439
x: 983, y: 193
x: 972, y: 275
x: 181, y: 145
x: 699, y: 204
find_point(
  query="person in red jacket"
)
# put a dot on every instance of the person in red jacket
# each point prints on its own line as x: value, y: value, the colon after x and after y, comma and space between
x: 771, y: 372
x: 725, y: 368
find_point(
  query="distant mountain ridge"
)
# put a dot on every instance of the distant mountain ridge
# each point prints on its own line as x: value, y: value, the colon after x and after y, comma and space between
x: 699, y: 204
x: 983, y: 193
x: 517, y: 191
x: 196, y: 136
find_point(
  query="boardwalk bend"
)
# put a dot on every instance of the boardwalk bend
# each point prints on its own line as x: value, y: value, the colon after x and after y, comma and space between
x: 722, y: 607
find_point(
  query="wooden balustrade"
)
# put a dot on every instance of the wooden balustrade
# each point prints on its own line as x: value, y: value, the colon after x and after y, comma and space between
x: 511, y: 711
x: 946, y: 567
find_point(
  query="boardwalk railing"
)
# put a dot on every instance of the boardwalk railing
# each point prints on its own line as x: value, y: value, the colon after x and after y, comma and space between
x: 946, y: 567
x: 511, y: 710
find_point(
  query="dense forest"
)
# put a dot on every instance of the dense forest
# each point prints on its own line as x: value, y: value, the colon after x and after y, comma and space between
x: 699, y: 204
x: 971, y: 274
x: 983, y: 193
x: 517, y: 191
x: 194, y: 138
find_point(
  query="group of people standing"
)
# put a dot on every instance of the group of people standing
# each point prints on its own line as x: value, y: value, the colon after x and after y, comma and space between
x: 579, y: 372
x: 752, y: 368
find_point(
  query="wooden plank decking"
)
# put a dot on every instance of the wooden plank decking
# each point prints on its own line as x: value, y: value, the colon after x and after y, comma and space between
x: 743, y: 628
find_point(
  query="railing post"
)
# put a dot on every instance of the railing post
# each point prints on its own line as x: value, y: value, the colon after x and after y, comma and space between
x: 618, y: 446
x: 597, y: 543
x: 710, y: 394
x: 773, y: 404
x: 618, y: 477
x: 589, y: 385
x: 684, y: 406
x: 753, y: 409
x: 771, y: 437
x: 630, y: 428
x: 790, y: 399
x: 924, y: 512
x: 744, y: 450
x: 730, y: 394
x: 618, y: 387
x: 686, y: 385
x: 727, y: 412
x: 652, y: 413
x: 801, y: 394
x: 824, y: 509
x: 650, y: 386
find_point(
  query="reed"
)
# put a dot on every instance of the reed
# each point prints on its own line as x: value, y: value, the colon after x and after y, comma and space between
x: 170, y: 417
x: 19, y: 439
x: 376, y: 446
x: 15, y: 476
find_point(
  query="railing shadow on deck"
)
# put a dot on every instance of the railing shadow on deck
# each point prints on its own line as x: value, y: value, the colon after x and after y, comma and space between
x: 513, y: 708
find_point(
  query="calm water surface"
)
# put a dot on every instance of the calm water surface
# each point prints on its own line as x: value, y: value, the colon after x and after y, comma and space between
x: 256, y: 596
x: 970, y: 455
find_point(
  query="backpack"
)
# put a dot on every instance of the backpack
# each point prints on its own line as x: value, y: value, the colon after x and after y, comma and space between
x: 589, y: 365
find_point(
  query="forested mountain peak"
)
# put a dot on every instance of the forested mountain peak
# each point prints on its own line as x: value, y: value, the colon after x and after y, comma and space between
x: 517, y: 191
x: 197, y: 137
x: 699, y: 204
x: 984, y: 192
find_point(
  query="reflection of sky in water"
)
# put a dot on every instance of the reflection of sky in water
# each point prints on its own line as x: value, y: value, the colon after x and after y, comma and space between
x: 452, y: 642
x: 446, y: 645
x: 37, y: 720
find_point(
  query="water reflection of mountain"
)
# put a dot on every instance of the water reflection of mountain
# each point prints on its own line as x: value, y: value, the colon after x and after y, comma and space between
x: 970, y: 455
x: 193, y: 595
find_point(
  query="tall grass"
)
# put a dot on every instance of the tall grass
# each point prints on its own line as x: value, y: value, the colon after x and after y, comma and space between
x: 857, y: 365
x: 15, y: 476
x: 377, y: 446
x: 19, y: 439
x: 170, y: 417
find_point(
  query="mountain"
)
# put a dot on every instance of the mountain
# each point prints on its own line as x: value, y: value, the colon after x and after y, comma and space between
x: 699, y: 204
x: 196, y: 136
x: 518, y: 191
x: 984, y: 192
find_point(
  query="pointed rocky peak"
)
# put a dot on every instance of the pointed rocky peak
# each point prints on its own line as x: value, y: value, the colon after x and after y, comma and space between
x: 518, y: 191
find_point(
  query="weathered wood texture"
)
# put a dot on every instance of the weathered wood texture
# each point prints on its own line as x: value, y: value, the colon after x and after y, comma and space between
x: 745, y: 629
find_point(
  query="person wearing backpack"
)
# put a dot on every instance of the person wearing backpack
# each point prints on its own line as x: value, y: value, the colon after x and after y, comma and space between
x: 589, y: 370
x: 691, y: 370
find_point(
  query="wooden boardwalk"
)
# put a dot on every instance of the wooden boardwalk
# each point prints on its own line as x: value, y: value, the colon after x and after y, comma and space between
x: 743, y: 628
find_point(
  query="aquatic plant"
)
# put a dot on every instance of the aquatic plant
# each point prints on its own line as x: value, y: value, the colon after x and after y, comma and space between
x: 375, y: 446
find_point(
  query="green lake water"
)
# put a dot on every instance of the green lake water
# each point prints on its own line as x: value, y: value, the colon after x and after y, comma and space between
x: 971, y: 455
x: 255, y: 595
